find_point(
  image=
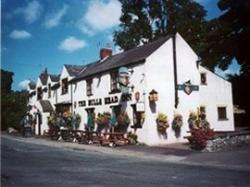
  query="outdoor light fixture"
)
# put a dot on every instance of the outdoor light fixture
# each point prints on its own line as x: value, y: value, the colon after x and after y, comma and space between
x: 153, y: 96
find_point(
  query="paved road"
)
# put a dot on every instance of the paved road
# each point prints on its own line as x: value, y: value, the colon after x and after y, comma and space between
x: 30, y: 165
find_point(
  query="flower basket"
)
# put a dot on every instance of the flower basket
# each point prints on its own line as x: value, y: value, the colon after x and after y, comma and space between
x: 123, y: 121
x: 162, y: 123
x: 177, y: 122
x: 103, y: 120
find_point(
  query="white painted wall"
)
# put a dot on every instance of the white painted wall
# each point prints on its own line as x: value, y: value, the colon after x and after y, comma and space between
x: 65, y: 97
x: 217, y: 92
x: 101, y: 89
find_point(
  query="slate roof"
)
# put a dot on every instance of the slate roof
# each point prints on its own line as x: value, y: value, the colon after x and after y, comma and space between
x: 46, y: 106
x: 131, y: 56
x: 54, y: 78
x: 44, y: 77
x: 74, y: 70
x: 32, y: 85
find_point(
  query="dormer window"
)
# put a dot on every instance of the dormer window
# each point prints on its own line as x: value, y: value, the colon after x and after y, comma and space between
x: 64, y: 86
x: 39, y: 93
x: 89, y: 87
x: 49, y: 90
x: 203, y: 78
x: 114, y: 84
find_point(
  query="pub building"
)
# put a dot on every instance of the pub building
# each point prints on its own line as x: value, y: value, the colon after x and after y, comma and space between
x: 164, y: 76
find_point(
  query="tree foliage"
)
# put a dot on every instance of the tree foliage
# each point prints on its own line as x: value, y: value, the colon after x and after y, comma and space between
x: 145, y: 20
x: 229, y: 35
x: 13, y: 104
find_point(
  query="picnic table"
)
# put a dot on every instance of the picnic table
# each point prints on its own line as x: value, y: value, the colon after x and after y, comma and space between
x: 113, y: 139
x: 89, y: 137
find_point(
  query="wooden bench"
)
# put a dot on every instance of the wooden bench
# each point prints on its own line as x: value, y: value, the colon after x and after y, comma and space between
x: 114, y: 139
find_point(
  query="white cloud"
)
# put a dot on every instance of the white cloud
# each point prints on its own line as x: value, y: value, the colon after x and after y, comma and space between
x: 54, y: 19
x: 24, y: 84
x: 31, y: 12
x: 20, y: 35
x: 71, y: 44
x: 100, y: 15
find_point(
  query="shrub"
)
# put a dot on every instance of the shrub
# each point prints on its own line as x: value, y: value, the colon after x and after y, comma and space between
x: 199, y: 137
x: 123, y: 119
x: 132, y: 138
x: 103, y: 119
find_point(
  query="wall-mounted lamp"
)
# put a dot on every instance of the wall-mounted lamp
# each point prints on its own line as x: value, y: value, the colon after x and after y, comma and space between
x: 153, y: 96
x: 131, y: 71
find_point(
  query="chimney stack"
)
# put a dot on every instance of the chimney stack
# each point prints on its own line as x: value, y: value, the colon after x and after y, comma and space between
x: 105, y: 52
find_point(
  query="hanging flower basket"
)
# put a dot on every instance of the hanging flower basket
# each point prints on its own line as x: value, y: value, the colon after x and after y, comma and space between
x: 177, y: 122
x: 162, y: 123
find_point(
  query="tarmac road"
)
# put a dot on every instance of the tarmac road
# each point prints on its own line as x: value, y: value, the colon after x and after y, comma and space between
x: 30, y: 165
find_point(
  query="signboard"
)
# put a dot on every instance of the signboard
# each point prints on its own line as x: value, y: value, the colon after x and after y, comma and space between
x: 187, y: 87
x: 140, y: 107
x: 124, y: 79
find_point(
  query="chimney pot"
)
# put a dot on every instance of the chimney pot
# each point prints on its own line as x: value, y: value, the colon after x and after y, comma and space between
x: 105, y: 52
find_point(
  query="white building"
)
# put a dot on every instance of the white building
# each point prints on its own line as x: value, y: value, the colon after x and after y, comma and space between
x: 168, y: 66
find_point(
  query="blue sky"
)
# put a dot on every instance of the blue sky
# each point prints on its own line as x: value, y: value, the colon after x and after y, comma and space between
x: 45, y: 33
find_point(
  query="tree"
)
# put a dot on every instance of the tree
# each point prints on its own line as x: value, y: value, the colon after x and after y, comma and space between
x: 145, y: 20
x: 6, y: 81
x: 229, y: 36
x: 241, y: 93
x: 13, y: 104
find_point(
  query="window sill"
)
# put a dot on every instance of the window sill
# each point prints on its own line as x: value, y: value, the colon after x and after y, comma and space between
x: 89, y: 95
x: 115, y: 91
x: 226, y: 119
x: 203, y: 84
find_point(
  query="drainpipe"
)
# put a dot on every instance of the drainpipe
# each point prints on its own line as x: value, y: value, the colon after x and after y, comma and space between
x: 175, y: 72
x: 71, y: 95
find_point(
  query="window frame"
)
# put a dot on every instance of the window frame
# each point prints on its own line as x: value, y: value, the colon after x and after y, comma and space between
x: 222, y: 116
x: 114, y: 82
x: 89, y: 89
x: 205, y: 76
x: 39, y: 93
x: 65, y: 86
x: 49, y: 90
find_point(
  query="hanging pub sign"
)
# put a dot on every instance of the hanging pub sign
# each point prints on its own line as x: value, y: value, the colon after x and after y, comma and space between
x: 124, y: 80
x: 188, y: 88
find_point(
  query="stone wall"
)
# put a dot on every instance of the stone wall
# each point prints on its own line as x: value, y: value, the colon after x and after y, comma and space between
x: 227, y: 142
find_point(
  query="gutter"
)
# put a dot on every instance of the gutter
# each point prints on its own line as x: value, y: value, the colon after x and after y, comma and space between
x: 176, y: 99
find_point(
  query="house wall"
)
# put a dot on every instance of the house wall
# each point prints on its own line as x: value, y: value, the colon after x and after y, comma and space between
x: 217, y: 93
x: 101, y: 89
x: 65, y: 97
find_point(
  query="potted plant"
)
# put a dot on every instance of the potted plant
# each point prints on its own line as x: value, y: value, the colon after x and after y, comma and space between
x: 103, y: 120
x: 123, y: 121
x: 67, y: 116
x: 162, y: 123
x: 76, y: 120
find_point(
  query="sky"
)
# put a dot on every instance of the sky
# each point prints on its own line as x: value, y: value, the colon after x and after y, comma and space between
x: 39, y: 34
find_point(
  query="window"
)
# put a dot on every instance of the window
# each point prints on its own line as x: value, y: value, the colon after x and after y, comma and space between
x: 39, y: 93
x: 49, y: 91
x: 89, y: 87
x: 222, y: 113
x: 114, y: 81
x: 64, y: 86
x: 203, y: 78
